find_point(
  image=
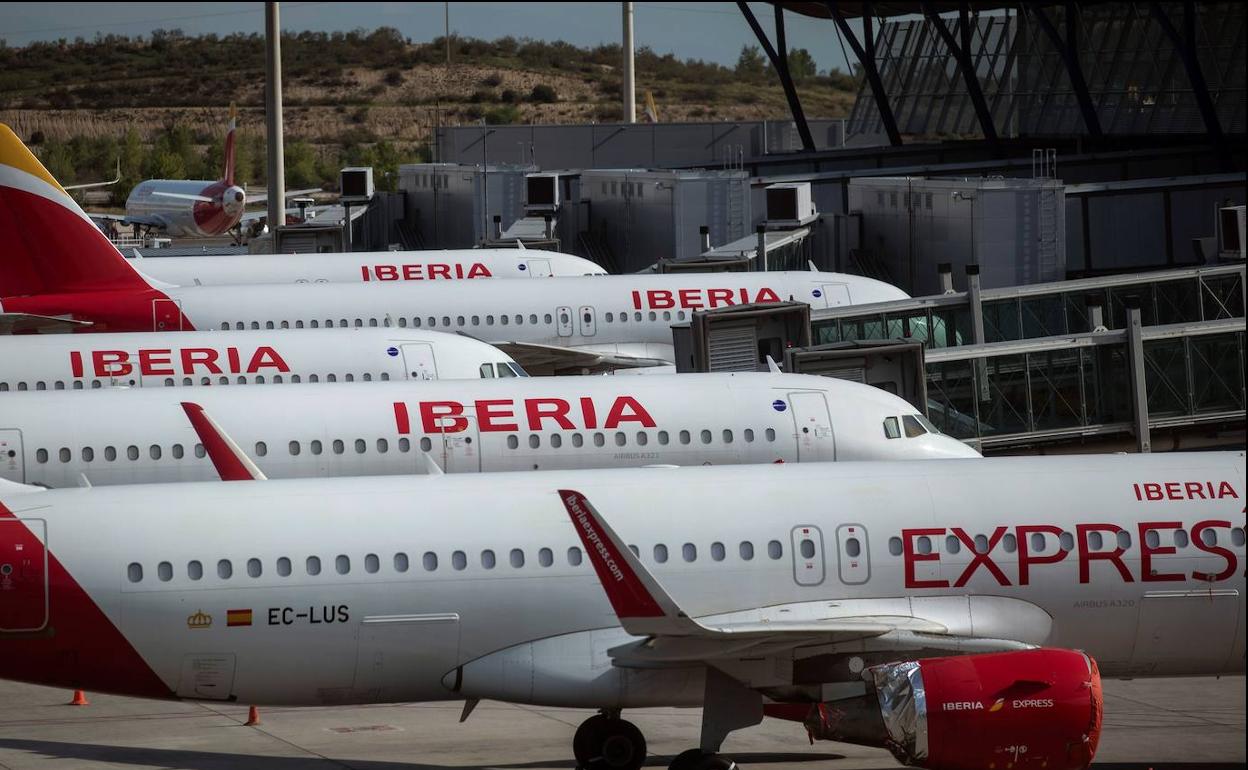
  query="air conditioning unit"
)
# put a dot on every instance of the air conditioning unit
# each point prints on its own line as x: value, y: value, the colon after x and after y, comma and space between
x: 541, y: 193
x: 1231, y: 232
x: 356, y: 185
x: 789, y: 205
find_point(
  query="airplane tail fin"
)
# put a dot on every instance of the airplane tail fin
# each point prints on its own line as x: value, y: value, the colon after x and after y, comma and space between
x: 228, y: 174
x: 50, y: 245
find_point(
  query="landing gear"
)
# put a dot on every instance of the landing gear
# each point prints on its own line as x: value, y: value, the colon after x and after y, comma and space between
x: 697, y: 759
x: 606, y: 742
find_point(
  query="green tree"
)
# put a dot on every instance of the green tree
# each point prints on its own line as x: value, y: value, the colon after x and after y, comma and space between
x: 301, y: 165
x: 801, y: 64
x: 750, y: 64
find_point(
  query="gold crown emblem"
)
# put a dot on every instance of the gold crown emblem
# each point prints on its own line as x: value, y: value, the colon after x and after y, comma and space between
x: 199, y: 620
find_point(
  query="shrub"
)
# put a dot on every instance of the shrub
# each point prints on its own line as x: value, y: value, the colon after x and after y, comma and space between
x: 543, y: 94
x: 394, y: 78
x: 504, y: 115
x: 479, y: 96
x: 509, y: 96
x: 492, y: 81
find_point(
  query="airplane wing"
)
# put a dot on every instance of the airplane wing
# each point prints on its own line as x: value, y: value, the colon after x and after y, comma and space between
x: 553, y: 359
x: 644, y: 608
x: 92, y: 185
x: 263, y: 196
x: 231, y: 462
x: 28, y: 323
x: 147, y: 220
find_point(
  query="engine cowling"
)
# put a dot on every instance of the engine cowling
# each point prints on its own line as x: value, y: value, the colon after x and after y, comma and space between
x: 1028, y: 709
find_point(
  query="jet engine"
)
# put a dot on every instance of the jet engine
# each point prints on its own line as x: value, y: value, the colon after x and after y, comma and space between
x: 1027, y: 709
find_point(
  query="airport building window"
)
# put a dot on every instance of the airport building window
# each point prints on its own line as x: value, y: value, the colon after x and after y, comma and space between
x: 545, y: 557
x: 253, y: 568
x: 516, y: 557
x: 574, y: 556
x: 430, y: 561
x: 134, y: 572
x: 371, y: 563
x: 775, y: 550
x: 487, y: 559
x: 342, y: 564
x: 891, y: 428
x: 746, y: 550
x: 110, y: 453
x: 660, y: 553
x: 262, y: 449
x: 400, y: 562
x: 225, y: 570
x: 689, y: 552
x: 164, y: 571
x: 894, y: 545
x: 294, y: 448
x: 313, y: 565
x: 459, y: 560
x: 283, y: 566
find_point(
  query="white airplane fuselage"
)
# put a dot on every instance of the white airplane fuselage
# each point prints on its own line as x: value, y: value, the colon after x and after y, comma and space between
x: 175, y: 204
x: 194, y: 359
x: 466, y: 426
x: 409, y: 589
x: 364, y: 266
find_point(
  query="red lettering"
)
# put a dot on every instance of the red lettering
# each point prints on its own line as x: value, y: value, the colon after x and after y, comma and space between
x: 150, y: 359
x: 911, y: 557
x: 411, y: 273
x: 401, y: 419
x: 1172, y: 491
x: 981, y: 558
x: 1136, y: 487
x: 442, y: 417
x: 1025, y: 559
x: 231, y: 355
x: 111, y: 363
x: 266, y: 356
x: 1195, y: 490
x: 534, y: 410
x: 478, y: 270
x: 660, y: 299
x: 436, y: 271
x: 1087, y: 555
x: 636, y: 299
x: 690, y: 298
x: 589, y: 415
x: 1225, y: 490
x: 207, y: 357
x: 1147, y: 573
x: 717, y: 297
x: 766, y: 295
x: 635, y: 413
x: 1152, y: 491
x: 1217, y: 550
x: 386, y: 272
x: 364, y: 271
x: 486, y: 415
x: 75, y: 363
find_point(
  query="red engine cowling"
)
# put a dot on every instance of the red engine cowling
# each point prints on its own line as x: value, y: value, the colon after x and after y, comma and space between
x: 1004, y: 711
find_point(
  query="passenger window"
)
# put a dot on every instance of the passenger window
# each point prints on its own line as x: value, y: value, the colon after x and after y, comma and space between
x: 1067, y: 541
x: 294, y: 448
x: 807, y: 547
x: 545, y: 557
x: 1096, y: 541
x: 574, y: 556
x: 513, y: 441
x: 253, y: 568
x: 620, y: 438
x: 748, y: 434
x: 339, y: 447
x: 981, y: 544
x: 547, y: 318
x: 775, y: 550
x: 578, y: 440
x: 225, y: 570
x: 283, y: 566
x: 599, y: 439
x: 660, y: 553
x: 262, y: 449
x: 430, y: 561
x: 1237, y: 537
x: 684, y: 437
x: 1152, y: 539
x: 342, y: 564
x: 770, y: 434
x: 852, y: 547
x: 426, y: 444
x: 194, y: 570
x: 476, y: 320
x: 1181, y: 541
x: 66, y: 455
x: 610, y: 317
x: 361, y: 446
x: 313, y: 565
x: 405, y: 445
x: 705, y: 436
x: 923, y: 544
x: 314, y: 446
x: 556, y: 440
x: 400, y: 562
x: 727, y: 436
x: 176, y: 449
x: 1209, y: 536
x: 642, y: 438
x: 746, y: 550
x: 636, y: 551
x: 1124, y: 539
x: 894, y: 546
x: 535, y: 441
x: 517, y: 558
x: 912, y: 426
x: 689, y: 552
x: 487, y: 559
x: 41, y: 455
x: 952, y: 545
x: 383, y: 446
x: 663, y: 437
x: 132, y: 452
x: 459, y: 560
x: 88, y: 454
x: 110, y: 453
x: 717, y: 551
x: 1009, y: 543
x: 134, y: 572
x: 371, y: 563
x: 891, y: 428
x: 331, y: 377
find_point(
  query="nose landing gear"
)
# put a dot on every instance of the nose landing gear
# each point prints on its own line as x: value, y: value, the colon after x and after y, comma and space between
x: 606, y: 742
x: 697, y: 759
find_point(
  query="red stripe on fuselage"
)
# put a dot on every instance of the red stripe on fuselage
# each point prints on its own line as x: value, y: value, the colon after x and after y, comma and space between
x: 80, y: 648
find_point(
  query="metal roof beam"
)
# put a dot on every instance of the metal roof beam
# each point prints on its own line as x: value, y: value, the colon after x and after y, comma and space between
x: 1069, y: 51
x: 866, y: 57
x: 962, y: 54
x: 780, y: 62
x: 1185, y: 45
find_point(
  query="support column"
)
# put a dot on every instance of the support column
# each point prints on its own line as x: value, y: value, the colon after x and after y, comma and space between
x: 1185, y: 46
x: 780, y: 61
x: 1069, y: 51
x: 630, y: 87
x: 273, y: 116
x: 961, y: 54
x: 975, y: 301
x: 866, y: 57
x: 1139, y: 381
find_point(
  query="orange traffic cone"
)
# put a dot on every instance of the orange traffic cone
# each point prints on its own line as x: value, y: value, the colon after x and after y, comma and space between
x: 80, y: 699
x: 253, y: 716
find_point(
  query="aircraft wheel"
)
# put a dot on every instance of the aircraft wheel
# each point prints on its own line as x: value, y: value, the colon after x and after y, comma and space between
x: 602, y: 743
x: 688, y: 760
x: 716, y: 762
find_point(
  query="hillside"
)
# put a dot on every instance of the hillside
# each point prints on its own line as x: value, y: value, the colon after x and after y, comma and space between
x: 161, y: 102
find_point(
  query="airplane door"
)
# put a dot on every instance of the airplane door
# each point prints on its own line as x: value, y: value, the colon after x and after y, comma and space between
x: 419, y: 360
x: 834, y: 294
x: 167, y: 315
x: 402, y: 658
x: 12, y: 466
x: 23, y: 574
x: 853, y: 555
x: 461, y: 451
x: 807, y: 556
x: 813, y: 426
x: 564, y: 319
x: 1169, y: 620
x: 586, y: 316
x: 539, y: 268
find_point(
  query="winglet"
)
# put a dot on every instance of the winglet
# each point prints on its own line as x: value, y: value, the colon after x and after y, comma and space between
x: 773, y: 367
x: 640, y: 603
x: 231, y: 462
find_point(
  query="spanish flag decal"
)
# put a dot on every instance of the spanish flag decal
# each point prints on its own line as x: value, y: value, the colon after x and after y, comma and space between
x: 237, y: 618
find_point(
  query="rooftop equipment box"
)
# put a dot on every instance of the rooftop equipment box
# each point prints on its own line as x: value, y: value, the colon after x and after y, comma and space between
x: 453, y: 206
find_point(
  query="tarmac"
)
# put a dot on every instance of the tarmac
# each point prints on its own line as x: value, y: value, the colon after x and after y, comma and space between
x: 1164, y: 724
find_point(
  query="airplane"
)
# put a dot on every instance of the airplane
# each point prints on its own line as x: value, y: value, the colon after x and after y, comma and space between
x: 139, y: 359
x: 959, y: 613
x: 59, y: 272
x: 194, y: 208
x: 364, y: 266
x: 122, y: 436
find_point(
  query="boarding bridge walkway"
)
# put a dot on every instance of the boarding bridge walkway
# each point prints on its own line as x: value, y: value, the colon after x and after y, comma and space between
x: 1151, y: 361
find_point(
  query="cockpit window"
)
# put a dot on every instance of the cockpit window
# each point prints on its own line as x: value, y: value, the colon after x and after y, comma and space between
x: 891, y: 428
x: 913, y: 426
x: 487, y: 371
x: 515, y: 368
x: 505, y: 371
x: 926, y: 423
